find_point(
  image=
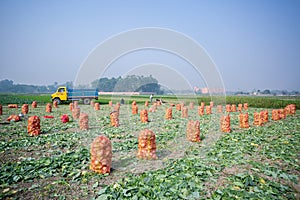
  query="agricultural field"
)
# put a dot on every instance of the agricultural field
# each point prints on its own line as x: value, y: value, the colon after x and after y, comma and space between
x: 260, y: 162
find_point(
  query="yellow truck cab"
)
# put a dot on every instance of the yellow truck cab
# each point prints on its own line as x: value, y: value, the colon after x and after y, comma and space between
x: 64, y: 94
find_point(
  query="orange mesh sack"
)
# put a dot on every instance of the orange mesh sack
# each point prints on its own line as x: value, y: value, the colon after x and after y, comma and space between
x: 193, y: 131
x: 282, y: 113
x: 293, y: 108
x: 168, y: 113
x: 191, y: 105
x: 240, y: 107
x: 92, y: 103
x: 211, y: 104
x: 233, y: 108
x: 55, y: 105
x: 34, y: 104
x: 1, y: 110
x: 12, y: 105
x: 133, y: 103
x: 144, y: 116
x: 75, y: 104
x: 117, y: 107
x: 244, y: 120
x: 228, y: 108
x: 147, y: 145
x: 245, y: 106
x: 71, y: 106
x: 202, y: 104
x: 33, y: 127
x: 201, y: 110
x: 135, y: 109
x: 24, y: 109
x: 146, y: 103
x: 114, y: 118
x: 49, y: 108
x: 97, y: 106
x: 76, y: 113
x: 184, y: 112
x: 225, y: 124
x: 257, y: 119
x: 208, y: 110
x: 13, y: 118
x: 265, y: 116
x: 178, y: 107
x: 153, y: 108
x: 83, y: 121
x: 275, y: 115
x: 182, y: 105
x: 219, y: 108
x: 101, y: 155
x: 290, y: 109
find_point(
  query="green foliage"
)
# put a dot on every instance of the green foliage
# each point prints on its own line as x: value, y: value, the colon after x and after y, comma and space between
x: 130, y: 83
x: 255, y: 163
x: 22, y: 98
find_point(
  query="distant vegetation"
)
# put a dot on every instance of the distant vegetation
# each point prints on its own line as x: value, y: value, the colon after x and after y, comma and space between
x: 8, y: 86
x: 130, y: 83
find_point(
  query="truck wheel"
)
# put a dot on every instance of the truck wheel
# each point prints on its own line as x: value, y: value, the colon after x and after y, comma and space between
x: 86, y: 101
x: 57, y: 100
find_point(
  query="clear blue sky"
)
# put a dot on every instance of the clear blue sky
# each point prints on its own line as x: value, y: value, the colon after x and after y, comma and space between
x: 255, y: 44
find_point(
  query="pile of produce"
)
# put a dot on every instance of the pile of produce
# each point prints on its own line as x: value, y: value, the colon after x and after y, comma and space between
x: 96, y: 106
x: 12, y: 105
x: 147, y: 145
x: 228, y: 108
x: 208, y: 110
x: 233, y: 108
x: 24, y: 109
x: 83, y: 121
x: 134, y: 108
x: 184, y: 112
x: 225, y: 124
x: 49, y: 108
x: 76, y: 112
x: 101, y: 155
x: 34, y: 104
x: 55, y: 104
x: 114, y: 118
x: 13, y: 118
x: 201, y: 110
x: 244, y: 120
x: 168, y: 113
x: 193, y: 131
x: 33, y: 127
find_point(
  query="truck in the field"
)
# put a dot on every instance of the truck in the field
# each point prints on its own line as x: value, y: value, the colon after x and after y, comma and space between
x: 64, y: 94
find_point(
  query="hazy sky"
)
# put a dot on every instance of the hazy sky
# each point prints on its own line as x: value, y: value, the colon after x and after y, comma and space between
x: 254, y: 44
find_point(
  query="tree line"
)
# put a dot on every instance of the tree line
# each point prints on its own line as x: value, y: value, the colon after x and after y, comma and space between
x: 130, y: 83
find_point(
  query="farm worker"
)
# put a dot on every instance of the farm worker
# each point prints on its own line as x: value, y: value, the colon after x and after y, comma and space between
x: 151, y: 97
